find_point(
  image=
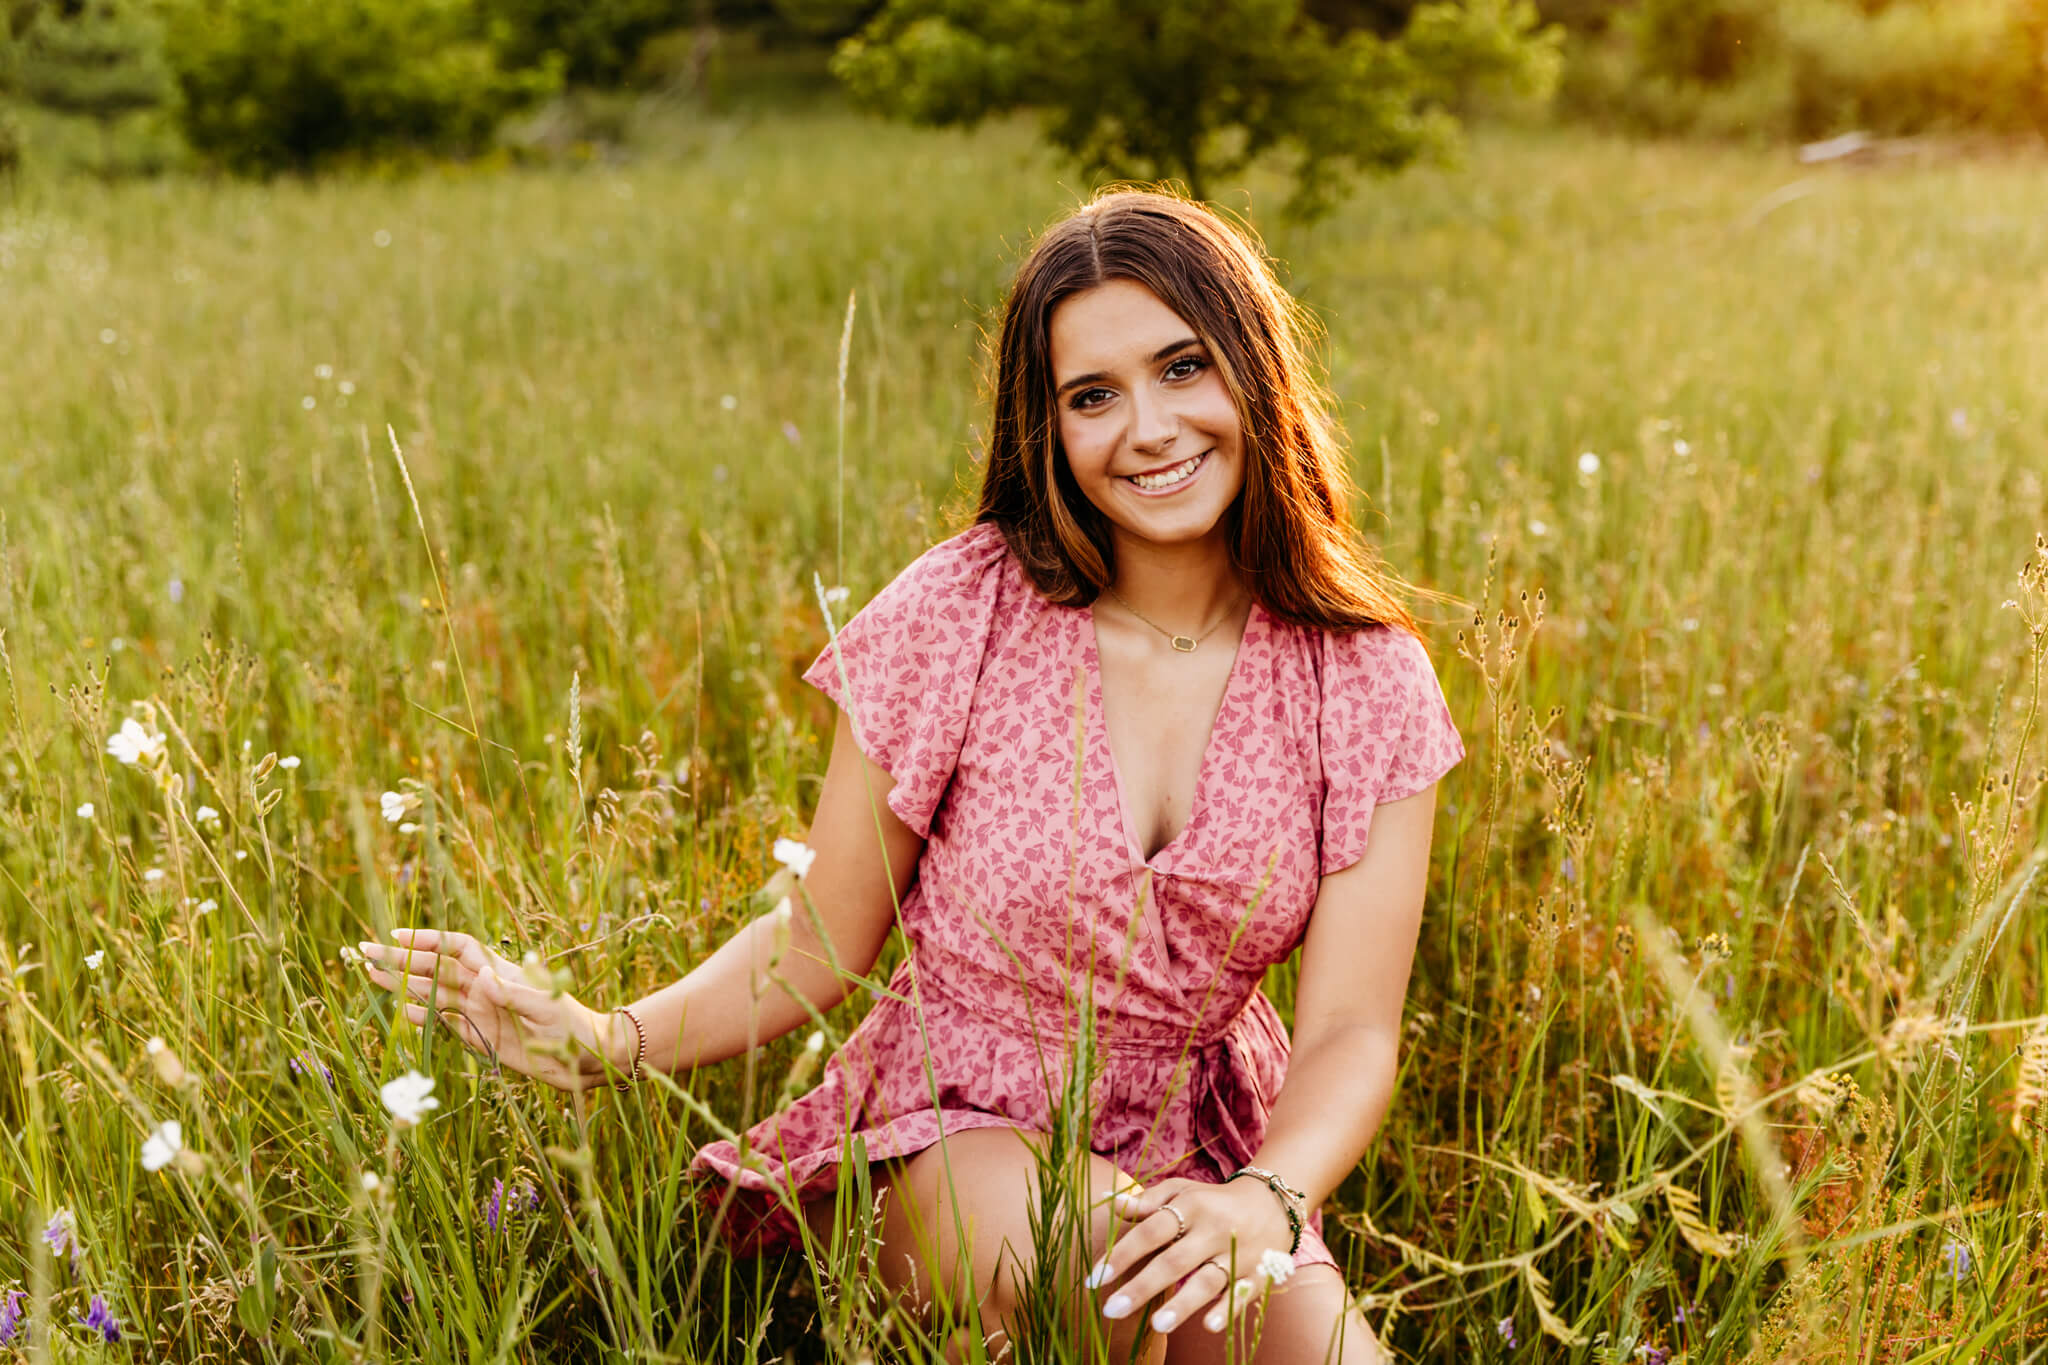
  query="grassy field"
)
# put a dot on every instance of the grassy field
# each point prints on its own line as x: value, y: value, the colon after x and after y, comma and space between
x: 1719, y: 1033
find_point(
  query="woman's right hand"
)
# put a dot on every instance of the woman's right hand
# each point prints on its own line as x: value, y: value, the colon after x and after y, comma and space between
x: 492, y: 1006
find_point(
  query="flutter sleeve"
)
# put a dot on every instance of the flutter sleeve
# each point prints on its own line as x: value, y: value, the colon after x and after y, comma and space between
x: 905, y: 666
x: 1385, y: 732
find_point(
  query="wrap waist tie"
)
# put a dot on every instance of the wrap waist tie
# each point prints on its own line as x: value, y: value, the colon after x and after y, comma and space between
x: 1222, y: 1076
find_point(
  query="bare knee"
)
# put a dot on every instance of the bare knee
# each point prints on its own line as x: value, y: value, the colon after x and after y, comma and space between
x: 960, y: 1223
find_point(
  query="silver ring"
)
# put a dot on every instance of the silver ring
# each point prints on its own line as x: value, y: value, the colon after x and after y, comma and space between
x: 1179, y: 1218
x: 1220, y: 1266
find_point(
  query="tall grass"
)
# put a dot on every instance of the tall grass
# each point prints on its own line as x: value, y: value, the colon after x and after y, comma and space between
x: 1735, y: 931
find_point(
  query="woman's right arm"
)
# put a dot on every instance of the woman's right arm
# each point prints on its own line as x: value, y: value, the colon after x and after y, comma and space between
x: 729, y: 1002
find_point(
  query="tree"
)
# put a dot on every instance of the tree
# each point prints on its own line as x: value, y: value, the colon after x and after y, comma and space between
x: 1161, y: 88
x: 102, y: 59
x: 279, y: 85
x: 596, y: 39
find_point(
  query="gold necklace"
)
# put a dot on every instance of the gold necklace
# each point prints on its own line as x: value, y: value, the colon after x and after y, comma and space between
x: 1184, y: 643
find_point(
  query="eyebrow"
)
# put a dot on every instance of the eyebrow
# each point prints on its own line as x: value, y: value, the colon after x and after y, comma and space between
x: 1098, y: 376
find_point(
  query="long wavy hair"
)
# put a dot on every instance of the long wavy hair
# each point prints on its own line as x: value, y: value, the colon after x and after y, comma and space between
x: 1290, y: 531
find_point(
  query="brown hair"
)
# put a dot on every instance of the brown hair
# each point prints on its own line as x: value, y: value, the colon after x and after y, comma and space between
x: 1290, y: 531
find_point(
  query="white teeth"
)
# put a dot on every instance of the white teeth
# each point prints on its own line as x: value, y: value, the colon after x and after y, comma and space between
x: 1167, y: 478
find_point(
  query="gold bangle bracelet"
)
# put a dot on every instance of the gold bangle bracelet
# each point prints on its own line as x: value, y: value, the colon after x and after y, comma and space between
x: 637, y: 1069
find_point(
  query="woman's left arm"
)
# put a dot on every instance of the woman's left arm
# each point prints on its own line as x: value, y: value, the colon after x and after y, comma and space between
x: 1347, y: 1004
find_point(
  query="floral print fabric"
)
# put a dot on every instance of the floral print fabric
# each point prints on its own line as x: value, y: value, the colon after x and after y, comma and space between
x: 1034, y: 911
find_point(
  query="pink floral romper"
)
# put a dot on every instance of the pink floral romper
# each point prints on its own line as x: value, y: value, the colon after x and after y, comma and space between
x: 1027, y: 906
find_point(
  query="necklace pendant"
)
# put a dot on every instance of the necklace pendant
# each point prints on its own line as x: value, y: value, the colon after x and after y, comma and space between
x: 1185, y: 643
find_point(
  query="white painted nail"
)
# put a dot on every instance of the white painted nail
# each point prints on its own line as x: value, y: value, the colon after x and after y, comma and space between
x: 1098, y: 1275
x: 1118, y: 1305
x: 1164, y: 1319
x: 1214, y: 1322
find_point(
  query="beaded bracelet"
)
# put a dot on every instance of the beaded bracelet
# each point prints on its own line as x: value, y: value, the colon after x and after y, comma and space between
x: 1294, y: 1201
x: 639, y: 1050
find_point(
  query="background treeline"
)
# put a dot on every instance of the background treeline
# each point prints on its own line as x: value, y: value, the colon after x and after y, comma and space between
x: 261, y: 86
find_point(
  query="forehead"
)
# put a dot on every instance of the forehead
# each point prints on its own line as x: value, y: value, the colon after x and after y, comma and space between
x: 1117, y: 323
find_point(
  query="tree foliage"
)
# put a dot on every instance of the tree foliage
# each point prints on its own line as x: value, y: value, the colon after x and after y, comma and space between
x: 1159, y: 88
x: 596, y: 40
x: 274, y: 85
x: 99, y: 58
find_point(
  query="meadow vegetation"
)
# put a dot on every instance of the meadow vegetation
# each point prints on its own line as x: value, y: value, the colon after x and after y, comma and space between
x: 1725, y: 1041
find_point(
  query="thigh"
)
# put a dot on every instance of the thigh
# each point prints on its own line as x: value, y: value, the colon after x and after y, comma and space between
x: 1308, y: 1319
x: 957, y: 1227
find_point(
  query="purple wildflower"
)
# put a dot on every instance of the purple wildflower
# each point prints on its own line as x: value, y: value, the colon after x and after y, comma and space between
x: 61, y: 1232
x: 1506, y: 1328
x: 1654, y: 1355
x: 305, y: 1064
x: 100, y: 1318
x: 524, y: 1195
x: 1570, y: 869
x: 1955, y: 1258
x: 13, y: 1321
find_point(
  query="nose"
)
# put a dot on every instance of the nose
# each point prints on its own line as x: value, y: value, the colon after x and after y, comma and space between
x: 1154, y: 422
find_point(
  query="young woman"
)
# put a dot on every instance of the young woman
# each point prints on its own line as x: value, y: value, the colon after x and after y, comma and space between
x: 1123, y: 740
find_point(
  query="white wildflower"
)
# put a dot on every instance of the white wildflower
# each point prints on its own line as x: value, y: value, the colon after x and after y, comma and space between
x: 85, y: 810
x: 1276, y: 1265
x: 155, y: 1045
x: 728, y: 402
x: 1681, y: 448
x: 408, y: 827
x: 154, y: 874
x: 371, y: 1184
x: 132, y: 744
x: 206, y: 815
x: 1539, y: 528
x: 162, y: 1145
x: 393, y: 804
x: 409, y: 1098
x: 289, y: 762
x: 1589, y: 463
x: 815, y: 1043
x: 834, y: 596
x: 323, y: 372
x: 95, y: 958
x: 795, y: 855
x: 208, y: 906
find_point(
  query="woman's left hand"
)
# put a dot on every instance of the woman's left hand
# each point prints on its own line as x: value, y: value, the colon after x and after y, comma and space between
x: 1239, y: 1219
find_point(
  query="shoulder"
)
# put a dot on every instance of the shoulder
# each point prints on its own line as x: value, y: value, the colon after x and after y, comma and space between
x: 970, y: 558
x: 951, y: 592
x: 1376, y: 663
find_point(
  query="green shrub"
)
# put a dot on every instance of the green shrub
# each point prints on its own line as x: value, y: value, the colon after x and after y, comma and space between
x: 1806, y: 68
x: 1917, y: 66
x: 596, y: 40
x: 273, y: 85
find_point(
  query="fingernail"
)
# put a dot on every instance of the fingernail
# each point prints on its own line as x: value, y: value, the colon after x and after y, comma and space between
x: 1125, y: 1203
x: 1164, y: 1319
x: 1098, y: 1275
x: 368, y: 949
x: 1118, y: 1305
x: 1214, y: 1322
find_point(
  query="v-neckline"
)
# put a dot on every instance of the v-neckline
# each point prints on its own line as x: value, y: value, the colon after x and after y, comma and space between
x: 1099, y: 718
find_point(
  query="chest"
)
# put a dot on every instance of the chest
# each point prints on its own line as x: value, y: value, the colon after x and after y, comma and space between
x: 1160, y: 711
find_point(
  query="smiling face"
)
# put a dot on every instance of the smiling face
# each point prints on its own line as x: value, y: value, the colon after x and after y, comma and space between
x: 1151, y: 434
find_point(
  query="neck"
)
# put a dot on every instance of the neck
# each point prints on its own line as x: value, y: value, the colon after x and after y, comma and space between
x: 1182, y: 587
